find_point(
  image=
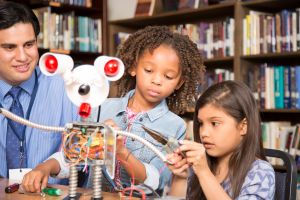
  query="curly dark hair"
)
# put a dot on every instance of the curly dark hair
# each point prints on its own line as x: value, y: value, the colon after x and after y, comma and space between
x: 190, y: 60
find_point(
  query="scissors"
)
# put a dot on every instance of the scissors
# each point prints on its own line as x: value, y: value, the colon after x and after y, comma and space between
x: 170, y: 144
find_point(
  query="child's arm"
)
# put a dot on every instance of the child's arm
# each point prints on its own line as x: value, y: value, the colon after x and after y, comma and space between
x: 37, y: 179
x: 128, y: 160
x: 196, y: 157
x: 178, y: 186
x: 179, y: 169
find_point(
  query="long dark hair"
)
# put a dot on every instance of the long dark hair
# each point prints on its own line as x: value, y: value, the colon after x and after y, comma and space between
x: 12, y: 13
x: 236, y: 99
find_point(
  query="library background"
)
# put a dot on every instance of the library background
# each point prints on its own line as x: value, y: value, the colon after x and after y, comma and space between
x: 254, y: 41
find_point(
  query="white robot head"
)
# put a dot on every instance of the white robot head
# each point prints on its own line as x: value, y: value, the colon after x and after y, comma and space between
x: 87, y: 86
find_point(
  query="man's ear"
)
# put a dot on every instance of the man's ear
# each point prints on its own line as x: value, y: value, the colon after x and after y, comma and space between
x: 180, y: 83
x: 243, y: 127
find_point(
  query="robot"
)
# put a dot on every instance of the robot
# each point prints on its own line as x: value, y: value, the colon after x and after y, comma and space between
x: 86, y: 143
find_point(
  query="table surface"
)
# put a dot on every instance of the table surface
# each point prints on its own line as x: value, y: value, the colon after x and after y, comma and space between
x: 86, y: 194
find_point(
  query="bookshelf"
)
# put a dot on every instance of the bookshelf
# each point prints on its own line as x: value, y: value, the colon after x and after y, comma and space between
x: 240, y: 63
x: 84, y: 47
x: 236, y: 9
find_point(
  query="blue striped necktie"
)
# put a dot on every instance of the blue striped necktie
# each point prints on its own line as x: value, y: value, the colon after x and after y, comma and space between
x: 15, y: 154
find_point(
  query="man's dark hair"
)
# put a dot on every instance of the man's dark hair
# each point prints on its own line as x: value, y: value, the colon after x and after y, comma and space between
x: 12, y: 13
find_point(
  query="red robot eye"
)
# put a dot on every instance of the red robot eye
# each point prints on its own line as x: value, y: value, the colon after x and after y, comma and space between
x: 111, y: 68
x: 51, y: 63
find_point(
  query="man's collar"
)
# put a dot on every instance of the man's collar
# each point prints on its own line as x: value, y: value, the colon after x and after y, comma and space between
x: 27, y: 85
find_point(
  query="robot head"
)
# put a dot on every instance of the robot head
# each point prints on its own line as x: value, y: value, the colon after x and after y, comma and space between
x: 87, y: 86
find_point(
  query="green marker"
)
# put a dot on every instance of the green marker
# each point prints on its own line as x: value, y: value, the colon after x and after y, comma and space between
x: 52, y: 191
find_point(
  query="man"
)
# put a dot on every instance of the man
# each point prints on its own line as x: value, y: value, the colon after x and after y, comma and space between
x: 40, y: 99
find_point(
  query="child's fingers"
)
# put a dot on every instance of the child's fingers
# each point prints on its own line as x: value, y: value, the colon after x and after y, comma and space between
x: 180, y: 163
x: 120, y: 141
x: 120, y: 138
x: 195, y: 152
x: 173, y: 157
x: 111, y: 123
x: 185, y: 142
x: 189, y: 146
x: 182, y: 171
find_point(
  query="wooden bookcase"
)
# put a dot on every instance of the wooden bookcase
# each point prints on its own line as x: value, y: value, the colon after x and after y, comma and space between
x: 236, y: 9
x: 97, y: 10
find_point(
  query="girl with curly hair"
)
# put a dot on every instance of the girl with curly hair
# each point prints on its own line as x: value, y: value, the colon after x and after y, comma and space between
x: 162, y: 72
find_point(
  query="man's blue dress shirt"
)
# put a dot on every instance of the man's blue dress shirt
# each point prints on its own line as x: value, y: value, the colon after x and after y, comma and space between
x: 51, y: 107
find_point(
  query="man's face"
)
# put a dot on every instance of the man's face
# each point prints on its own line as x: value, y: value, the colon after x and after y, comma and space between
x: 18, y: 53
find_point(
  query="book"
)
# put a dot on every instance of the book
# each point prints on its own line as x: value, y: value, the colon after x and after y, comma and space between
x: 170, y: 5
x: 287, y: 87
x: 148, y: 7
x: 143, y: 7
x: 188, y: 4
x: 279, y: 87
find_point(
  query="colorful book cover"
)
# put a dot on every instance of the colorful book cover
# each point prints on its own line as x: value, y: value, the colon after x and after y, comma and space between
x: 279, y: 87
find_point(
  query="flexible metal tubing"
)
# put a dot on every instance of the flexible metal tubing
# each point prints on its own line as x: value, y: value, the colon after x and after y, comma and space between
x: 143, y: 141
x: 26, y: 122
x: 73, y: 180
x: 21, y: 120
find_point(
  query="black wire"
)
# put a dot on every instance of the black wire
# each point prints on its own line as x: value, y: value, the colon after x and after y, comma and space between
x: 99, y: 111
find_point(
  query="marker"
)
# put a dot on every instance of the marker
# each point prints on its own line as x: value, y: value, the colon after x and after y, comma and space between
x: 52, y: 191
x: 12, y: 188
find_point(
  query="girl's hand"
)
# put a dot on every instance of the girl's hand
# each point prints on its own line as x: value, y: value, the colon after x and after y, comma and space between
x: 122, y: 151
x: 111, y: 123
x: 196, y: 155
x: 180, y: 166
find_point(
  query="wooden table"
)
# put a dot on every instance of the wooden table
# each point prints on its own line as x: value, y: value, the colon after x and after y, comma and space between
x: 85, y: 193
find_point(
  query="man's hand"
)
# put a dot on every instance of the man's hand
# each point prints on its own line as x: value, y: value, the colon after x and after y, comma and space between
x: 37, y: 179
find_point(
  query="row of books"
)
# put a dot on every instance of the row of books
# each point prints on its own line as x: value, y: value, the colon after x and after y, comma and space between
x: 283, y: 136
x: 152, y: 7
x: 215, y: 76
x: 68, y: 32
x: 174, y: 5
x: 271, y: 33
x: 214, y: 40
x: 84, y: 3
x: 275, y: 86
